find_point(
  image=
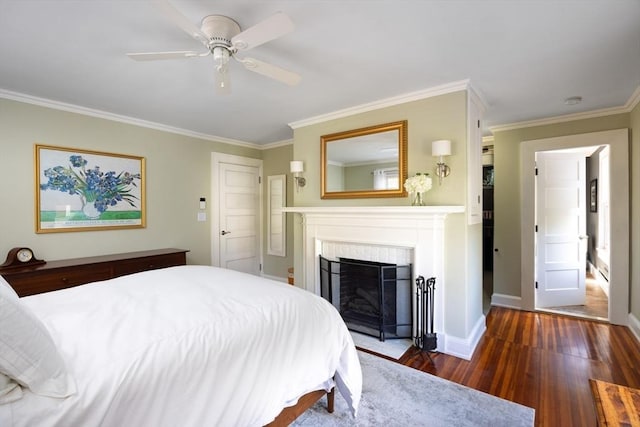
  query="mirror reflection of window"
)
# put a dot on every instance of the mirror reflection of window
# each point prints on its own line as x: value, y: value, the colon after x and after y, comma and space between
x: 385, y: 179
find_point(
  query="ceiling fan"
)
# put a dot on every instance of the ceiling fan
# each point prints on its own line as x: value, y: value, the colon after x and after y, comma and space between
x: 223, y: 39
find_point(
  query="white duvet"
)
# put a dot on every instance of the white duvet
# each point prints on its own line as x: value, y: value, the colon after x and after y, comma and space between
x: 188, y: 346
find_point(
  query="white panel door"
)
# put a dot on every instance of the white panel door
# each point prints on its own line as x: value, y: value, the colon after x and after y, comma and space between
x: 560, y: 240
x: 239, y: 197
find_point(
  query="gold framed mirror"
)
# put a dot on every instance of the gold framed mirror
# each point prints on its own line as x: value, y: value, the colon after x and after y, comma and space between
x: 364, y: 163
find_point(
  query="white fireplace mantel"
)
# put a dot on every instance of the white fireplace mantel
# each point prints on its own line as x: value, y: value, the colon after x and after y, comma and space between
x: 420, y: 229
x: 390, y: 211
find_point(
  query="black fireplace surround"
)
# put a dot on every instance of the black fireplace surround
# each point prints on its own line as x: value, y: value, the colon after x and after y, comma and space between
x: 373, y: 298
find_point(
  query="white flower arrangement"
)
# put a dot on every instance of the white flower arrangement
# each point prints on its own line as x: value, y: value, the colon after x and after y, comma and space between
x: 419, y: 183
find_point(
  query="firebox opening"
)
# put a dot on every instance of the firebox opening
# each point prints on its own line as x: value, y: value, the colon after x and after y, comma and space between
x: 373, y: 298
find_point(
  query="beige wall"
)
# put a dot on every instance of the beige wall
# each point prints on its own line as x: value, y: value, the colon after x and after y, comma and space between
x: 507, y: 241
x: 439, y: 117
x: 275, y: 161
x: 178, y: 174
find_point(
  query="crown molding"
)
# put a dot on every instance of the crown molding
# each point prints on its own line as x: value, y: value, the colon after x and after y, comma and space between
x: 626, y: 108
x: 71, y: 108
x: 383, y: 103
x: 634, y: 99
x: 276, y: 144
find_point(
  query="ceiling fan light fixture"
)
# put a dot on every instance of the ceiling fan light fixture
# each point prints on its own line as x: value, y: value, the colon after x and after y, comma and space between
x: 221, y: 58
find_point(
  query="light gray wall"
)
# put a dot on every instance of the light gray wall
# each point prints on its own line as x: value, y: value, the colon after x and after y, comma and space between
x: 178, y: 173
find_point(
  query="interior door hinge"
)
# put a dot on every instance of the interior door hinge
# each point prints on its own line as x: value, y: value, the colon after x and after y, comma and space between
x: 260, y: 267
x: 259, y: 180
x: 536, y: 171
x: 478, y: 124
x: 536, y: 284
x: 536, y: 228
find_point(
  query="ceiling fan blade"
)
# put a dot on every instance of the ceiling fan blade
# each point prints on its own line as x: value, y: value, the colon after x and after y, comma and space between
x: 154, y: 56
x: 271, y: 28
x: 180, y: 20
x: 272, y: 71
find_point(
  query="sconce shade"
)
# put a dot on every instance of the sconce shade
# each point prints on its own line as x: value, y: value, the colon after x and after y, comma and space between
x: 441, y: 147
x: 296, y: 166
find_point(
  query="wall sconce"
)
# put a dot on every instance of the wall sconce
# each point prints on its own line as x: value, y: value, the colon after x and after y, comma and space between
x: 297, y: 167
x: 440, y: 149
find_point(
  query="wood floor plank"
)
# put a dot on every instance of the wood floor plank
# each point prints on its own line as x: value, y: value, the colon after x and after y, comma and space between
x: 543, y: 361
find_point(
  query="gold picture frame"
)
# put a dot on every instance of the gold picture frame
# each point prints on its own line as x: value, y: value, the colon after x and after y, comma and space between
x: 86, y: 190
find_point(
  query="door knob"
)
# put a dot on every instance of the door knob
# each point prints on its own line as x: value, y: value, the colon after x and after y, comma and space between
x: 223, y: 232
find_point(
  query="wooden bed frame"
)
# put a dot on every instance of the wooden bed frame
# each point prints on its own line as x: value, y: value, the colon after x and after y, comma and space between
x: 56, y: 275
x: 288, y: 415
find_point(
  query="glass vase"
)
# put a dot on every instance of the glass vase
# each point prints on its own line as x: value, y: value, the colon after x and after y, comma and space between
x: 418, y: 199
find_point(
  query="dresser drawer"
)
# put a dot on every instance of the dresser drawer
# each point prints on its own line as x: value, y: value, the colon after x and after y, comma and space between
x: 46, y: 281
x: 131, y: 266
x: 65, y: 273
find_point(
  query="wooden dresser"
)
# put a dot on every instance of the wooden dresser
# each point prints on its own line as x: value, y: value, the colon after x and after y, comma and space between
x: 67, y: 273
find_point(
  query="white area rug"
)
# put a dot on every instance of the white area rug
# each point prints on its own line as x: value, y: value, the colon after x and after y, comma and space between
x: 396, y: 395
x: 394, y: 348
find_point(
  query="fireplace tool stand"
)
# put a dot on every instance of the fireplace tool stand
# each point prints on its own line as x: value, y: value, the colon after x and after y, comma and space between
x: 425, y: 340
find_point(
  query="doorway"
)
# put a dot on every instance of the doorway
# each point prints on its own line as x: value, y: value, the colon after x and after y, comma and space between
x: 563, y: 208
x: 618, y: 142
x: 236, y: 227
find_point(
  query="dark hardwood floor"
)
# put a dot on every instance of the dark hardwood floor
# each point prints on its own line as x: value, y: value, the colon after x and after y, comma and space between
x: 543, y: 361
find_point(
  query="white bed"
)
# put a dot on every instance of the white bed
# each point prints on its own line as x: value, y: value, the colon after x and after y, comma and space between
x: 183, y: 346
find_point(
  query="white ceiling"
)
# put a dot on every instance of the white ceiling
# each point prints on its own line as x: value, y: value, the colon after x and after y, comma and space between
x: 523, y: 57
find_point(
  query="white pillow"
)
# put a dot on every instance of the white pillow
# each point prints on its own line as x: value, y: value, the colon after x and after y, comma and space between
x: 28, y: 354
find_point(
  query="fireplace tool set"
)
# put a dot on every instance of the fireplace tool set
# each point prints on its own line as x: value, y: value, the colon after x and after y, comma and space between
x: 425, y: 339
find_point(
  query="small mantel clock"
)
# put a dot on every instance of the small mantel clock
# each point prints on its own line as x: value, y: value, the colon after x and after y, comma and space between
x: 20, y: 257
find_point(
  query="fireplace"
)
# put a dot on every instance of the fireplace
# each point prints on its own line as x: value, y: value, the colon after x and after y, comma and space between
x: 373, y: 298
x: 399, y: 235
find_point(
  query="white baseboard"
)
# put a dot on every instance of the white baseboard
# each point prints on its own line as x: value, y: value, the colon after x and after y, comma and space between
x: 508, y: 301
x: 634, y: 326
x: 464, y: 347
x: 600, y: 279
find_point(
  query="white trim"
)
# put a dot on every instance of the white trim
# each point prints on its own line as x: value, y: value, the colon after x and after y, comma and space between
x: 634, y: 326
x: 275, y: 144
x: 404, y: 212
x: 465, y: 347
x: 634, y: 99
x: 626, y: 108
x: 508, y: 301
x: 387, y: 102
x: 62, y: 106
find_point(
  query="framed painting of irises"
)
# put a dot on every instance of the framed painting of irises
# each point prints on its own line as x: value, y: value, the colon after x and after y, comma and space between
x: 82, y: 190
